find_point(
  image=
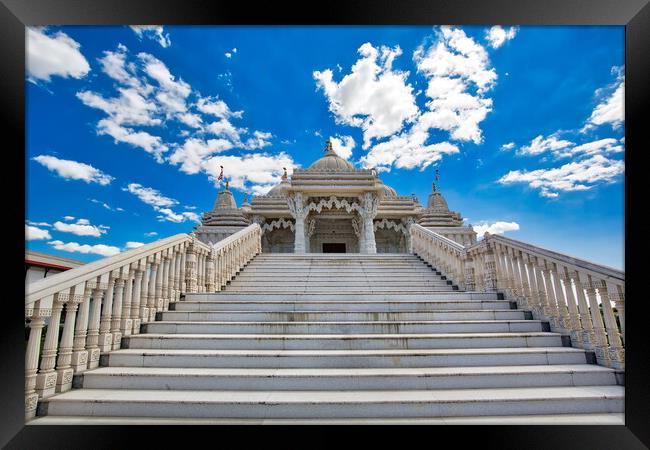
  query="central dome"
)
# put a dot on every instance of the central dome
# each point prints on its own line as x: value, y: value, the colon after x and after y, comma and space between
x: 331, y: 161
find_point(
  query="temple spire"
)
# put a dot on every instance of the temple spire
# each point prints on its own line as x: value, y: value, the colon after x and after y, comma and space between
x: 284, y: 175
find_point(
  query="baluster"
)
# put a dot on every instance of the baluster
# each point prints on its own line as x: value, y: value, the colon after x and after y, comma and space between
x: 105, y: 336
x: 564, y: 321
x: 551, y: 310
x: 36, y: 325
x: 163, y: 304
x: 151, y: 289
x: 157, y: 299
x: 542, y: 298
x: 587, y: 329
x: 92, y: 340
x: 574, y: 315
x: 79, y: 360
x: 126, y: 324
x: 182, y: 282
x: 63, y: 362
x: 46, y: 378
x: 608, y: 294
x: 144, y: 292
x: 137, y: 295
x: 118, y: 299
x: 599, y: 339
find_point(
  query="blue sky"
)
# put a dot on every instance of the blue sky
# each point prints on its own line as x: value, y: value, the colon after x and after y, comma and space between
x: 127, y: 127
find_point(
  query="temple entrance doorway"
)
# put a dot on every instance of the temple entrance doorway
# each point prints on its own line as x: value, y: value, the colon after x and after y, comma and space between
x: 332, y: 233
x: 334, y: 247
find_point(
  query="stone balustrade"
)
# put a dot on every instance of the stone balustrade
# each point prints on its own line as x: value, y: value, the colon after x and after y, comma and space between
x: 583, y: 300
x: 105, y: 300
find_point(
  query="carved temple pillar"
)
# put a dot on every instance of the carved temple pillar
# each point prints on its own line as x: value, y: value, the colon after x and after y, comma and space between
x: 299, y: 211
x: 369, y: 204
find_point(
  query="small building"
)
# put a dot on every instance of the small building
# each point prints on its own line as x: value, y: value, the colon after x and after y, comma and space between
x: 332, y: 206
x: 41, y: 265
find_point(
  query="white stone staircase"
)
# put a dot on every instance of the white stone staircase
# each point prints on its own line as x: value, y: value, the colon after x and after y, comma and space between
x: 342, y: 337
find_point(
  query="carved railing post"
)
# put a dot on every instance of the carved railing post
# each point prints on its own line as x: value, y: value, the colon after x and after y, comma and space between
x: 92, y: 340
x: 79, y: 360
x: 599, y: 336
x: 126, y: 324
x: 118, y: 299
x: 63, y: 362
x: 140, y: 269
x: 46, y: 378
x: 36, y: 325
x: 190, y: 267
x: 211, y: 272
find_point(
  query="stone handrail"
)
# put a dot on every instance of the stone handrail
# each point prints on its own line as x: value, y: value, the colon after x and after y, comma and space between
x: 105, y: 300
x: 576, y: 297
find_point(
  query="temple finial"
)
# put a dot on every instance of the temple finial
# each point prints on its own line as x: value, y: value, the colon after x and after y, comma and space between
x: 227, y: 185
x: 284, y: 175
x: 328, y: 147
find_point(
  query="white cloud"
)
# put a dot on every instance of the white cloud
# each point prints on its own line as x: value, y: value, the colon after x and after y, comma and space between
x: 373, y: 97
x: 228, y: 55
x: 73, y: 170
x: 160, y: 203
x: 574, y: 176
x: 105, y: 205
x: 39, y: 224
x: 458, y: 74
x: 494, y: 227
x: 611, y: 108
x: 407, y: 151
x: 217, y: 108
x: 129, y: 245
x: 508, y: 146
x: 57, y: 54
x: 154, y: 32
x: 541, y: 145
x: 171, y: 216
x: 497, y: 35
x: 601, y: 146
x: 149, y: 143
x: 379, y: 100
x: 75, y: 247
x: 150, y: 196
x: 81, y: 228
x: 254, y: 173
x: 68, y: 218
x: 35, y: 233
x: 343, y: 145
x: 151, y: 233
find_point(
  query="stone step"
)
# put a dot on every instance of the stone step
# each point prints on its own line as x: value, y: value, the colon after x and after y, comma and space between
x: 361, y: 289
x: 345, y: 296
x: 348, y: 379
x: 331, y: 271
x: 338, y: 284
x: 342, y: 277
x: 320, y: 404
x: 318, y: 255
x: 347, y: 327
x: 340, y: 341
x: 339, y: 316
x: 350, y: 305
x: 529, y: 419
x: 344, y: 358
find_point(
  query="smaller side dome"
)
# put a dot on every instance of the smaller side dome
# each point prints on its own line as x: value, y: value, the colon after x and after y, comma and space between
x: 225, y: 200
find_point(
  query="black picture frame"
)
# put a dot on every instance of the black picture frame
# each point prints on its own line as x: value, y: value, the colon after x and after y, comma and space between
x: 633, y: 14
